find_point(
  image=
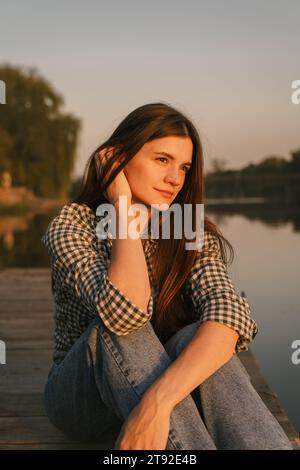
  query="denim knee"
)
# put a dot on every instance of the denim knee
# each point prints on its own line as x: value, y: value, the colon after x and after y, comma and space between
x: 233, y: 368
x: 179, y: 340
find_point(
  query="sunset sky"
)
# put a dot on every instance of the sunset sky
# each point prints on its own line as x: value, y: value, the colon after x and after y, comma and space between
x: 228, y: 65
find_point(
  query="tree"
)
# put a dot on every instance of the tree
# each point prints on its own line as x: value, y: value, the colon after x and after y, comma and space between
x: 5, y: 146
x: 269, y: 165
x: 43, y: 138
x: 272, y: 164
x: 218, y: 165
x: 294, y: 165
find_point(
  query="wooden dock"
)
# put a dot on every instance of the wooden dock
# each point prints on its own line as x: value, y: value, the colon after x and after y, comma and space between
x: 26, y: 327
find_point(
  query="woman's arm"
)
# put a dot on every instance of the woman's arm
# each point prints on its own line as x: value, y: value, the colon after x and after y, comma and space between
x: 214, y: 297
x: 128, y: 268
x: 80, y: 263
x: 148, y: 425
x: 210, y: 348
x: 225, y: 326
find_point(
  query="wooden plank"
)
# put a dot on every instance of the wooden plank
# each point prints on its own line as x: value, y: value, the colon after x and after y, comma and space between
x: 103, y: 445
x: 37, y: 430
x: 31, y: 344
x: 24, y: 272
x: 13, y: 307
x: 6, y: 278
x: 21, y: 404
x: 8, y: 333
x: 28, y: 344
x: 20, y: 430
x: 14, y: 326
x: 25, y: 284
x: 25, y: 371
x: 270, y: 398
x: 26, y: 293
x: 35, y: 284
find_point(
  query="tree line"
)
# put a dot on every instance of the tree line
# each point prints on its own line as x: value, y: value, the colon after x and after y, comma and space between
x: 38, y: 140
x: 38, y: 143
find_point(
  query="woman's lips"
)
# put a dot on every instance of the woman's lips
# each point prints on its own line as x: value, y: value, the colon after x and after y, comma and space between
x: 164, y: 193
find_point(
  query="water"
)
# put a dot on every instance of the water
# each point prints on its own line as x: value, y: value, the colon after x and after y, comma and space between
x: 266, y: 266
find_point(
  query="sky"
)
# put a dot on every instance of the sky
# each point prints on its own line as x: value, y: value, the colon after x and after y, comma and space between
x: 228, y: 65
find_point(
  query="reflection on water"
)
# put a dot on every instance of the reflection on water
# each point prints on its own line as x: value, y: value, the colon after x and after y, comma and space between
x: 269, y: 214
x: 266, y: 240
x: 20, y: 236
x: 20, y: 240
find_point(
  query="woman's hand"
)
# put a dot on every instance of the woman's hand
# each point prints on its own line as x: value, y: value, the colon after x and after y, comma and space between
x: 119, y: 186
x: 146, y: 428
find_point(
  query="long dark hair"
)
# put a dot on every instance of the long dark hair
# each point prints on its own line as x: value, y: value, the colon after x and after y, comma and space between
x: 171, y: 261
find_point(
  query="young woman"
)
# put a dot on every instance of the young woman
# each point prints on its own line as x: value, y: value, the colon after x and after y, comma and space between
x: 147, y: 332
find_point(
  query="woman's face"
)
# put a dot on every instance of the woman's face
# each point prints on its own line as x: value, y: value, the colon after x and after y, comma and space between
x: 151, y: 170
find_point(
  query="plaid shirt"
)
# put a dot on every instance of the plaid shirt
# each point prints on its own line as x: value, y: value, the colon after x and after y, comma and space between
x: 82, y: 290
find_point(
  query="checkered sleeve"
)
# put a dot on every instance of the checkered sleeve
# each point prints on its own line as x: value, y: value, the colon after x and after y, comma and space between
x: 82, y: 268
x: 214, y: 297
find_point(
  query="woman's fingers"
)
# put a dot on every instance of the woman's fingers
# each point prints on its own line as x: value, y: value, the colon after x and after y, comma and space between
x: 102, y: 158
x: 105, y: 153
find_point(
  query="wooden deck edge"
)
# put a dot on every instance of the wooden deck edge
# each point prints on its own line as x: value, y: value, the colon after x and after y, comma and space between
x: 269, y: 397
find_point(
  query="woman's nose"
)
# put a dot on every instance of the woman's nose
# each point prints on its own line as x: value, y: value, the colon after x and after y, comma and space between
x: 173, y: 176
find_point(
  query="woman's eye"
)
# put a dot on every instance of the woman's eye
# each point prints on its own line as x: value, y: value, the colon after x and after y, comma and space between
x: 186, y: 168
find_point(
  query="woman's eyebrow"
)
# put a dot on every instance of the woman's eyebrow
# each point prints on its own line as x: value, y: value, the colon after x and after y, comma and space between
x: 171, y: 156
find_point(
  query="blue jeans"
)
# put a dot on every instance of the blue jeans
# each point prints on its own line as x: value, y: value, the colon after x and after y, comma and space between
x: 99, y: 381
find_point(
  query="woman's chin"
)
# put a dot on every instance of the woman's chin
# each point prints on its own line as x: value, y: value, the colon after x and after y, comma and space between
x: 158, y: 203
x: 162, y: 205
